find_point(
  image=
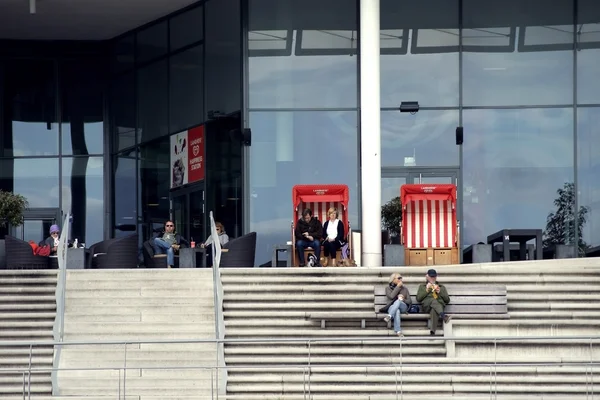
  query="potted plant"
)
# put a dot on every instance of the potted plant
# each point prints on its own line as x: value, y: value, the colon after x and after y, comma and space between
x: 391, y: 216
x: 12, y: 208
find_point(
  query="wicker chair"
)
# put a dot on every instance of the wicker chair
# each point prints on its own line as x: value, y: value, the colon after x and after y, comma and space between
x: 240, y: 252
x: 19, y: 255
x: 118, y: 253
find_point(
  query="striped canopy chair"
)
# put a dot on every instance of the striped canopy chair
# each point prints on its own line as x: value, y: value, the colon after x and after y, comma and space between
x: 429, y: 229
x: 319, y: 198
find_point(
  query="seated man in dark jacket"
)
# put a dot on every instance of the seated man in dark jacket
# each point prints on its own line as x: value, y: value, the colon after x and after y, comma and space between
x: 170, y: 242
x: 308, y: 234
x: 433, y: 296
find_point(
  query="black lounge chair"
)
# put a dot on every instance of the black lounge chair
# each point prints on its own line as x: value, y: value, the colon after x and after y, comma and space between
x: 240, y: 252
x: 156, y: 262
x: 19, y: 255
x: 118, y: 253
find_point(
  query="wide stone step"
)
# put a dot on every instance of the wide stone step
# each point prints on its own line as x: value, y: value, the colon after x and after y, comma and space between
x: 322, y: 333
x: 29, y: 306
x: 426, y: 386
x: 174, y: 293
x: 350, y: 351
x: 191, y: 317
x: 84, y: 303
x: 6, y: 317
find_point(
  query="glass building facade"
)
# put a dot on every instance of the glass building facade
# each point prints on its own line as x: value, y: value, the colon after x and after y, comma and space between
x: 86, y: 125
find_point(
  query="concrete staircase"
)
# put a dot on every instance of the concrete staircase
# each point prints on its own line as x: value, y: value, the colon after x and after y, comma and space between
x: 545, y: 298
x: 143, y: 305
x: 27, y: 312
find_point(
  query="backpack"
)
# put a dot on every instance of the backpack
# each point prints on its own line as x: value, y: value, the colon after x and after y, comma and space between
x: 43, y: 251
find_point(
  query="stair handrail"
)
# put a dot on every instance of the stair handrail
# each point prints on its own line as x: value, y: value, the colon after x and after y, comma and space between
x: 219, y: 294
x: 60, y: 293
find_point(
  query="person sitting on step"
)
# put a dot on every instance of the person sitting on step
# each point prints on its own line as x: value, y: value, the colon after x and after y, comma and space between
x: 400, y: 301
x: 168, y: 242
x: 433, y: 296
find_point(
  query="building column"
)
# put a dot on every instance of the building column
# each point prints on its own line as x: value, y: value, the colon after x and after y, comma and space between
x: 370, y: 133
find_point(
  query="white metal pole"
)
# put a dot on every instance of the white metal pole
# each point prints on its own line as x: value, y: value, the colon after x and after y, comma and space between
x: 370, y: 131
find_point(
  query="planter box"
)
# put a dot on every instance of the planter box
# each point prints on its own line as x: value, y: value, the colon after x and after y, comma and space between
x: 393, y: 255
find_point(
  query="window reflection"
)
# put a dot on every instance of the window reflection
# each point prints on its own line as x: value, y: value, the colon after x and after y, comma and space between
x: 186, y: 90
x: 588, y: 54
x: 588, y: 171
x: 153, y: 101
x: 29, y: 121
x: 300, y: 57
x: 83, y: 195
x: 290, y: 148
x: 513, y: 49
x: 152, y: 42
x: 82, y: 108
x: 424, y: 139
x: 154, y: 183
x: 515, y: 161
x: 125, y: 199
x: 124, y: 111
x: 223, y: 57
x: 34, y: 178
x: 419, y: 48
x: 186, y: 28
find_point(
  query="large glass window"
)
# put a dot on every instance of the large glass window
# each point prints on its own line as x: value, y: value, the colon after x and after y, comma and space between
x: 419, y: 52
x: 290, y: 148
x: 186, y: 91
x: 423, y: 139
x: 124, y: 54
x: 588, y: 54
x: 154, y: 183
x: 303, y: 54
x: 83, y: 195
x: 124, y: 194
x: 30, y: 122
x: 517, y: 52
x: 153, y: 101
x: 34, y: 178
x: 82, y: 108
x: 186, y: 28
x: 223, y: 58
x: 515, y: 164
x: 152, y: 42
x: 123, y: 110
x: 588, y: 174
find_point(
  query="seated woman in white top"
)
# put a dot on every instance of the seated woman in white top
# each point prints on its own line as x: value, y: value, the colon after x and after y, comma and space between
x: 223, y: 238
x: 333, y: 234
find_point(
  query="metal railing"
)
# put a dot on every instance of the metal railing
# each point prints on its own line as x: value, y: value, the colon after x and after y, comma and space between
x: 396, y: 362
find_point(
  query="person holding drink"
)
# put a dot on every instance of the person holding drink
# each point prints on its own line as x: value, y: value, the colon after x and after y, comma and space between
x: 400, y: 301
x: 433, y: 296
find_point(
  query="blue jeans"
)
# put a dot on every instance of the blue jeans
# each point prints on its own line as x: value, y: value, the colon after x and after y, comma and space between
x: 160, y: 247
x: 399, y: 307
x: 301, y: 245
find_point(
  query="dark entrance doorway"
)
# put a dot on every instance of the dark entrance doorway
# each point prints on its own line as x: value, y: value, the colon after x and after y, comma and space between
x: 188, y: 212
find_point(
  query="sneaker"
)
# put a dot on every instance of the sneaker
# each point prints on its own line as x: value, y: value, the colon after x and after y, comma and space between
x: 447, y: 318
x: 319, y: 265
x: 432, y: 333
x: 400, y: 334
x: 302, y: 265
x: 387, y: 318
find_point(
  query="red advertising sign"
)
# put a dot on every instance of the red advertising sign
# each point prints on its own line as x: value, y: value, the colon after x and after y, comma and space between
x: 196, y: 153
x: 187, y: 157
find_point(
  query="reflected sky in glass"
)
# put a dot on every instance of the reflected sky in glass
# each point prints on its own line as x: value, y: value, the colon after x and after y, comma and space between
x: 91, y: 169
x: 588, y: 169
x: 291, y: 148
x: 428, y: 136
x: 34, y: 178
x: 93, y: 138
x: 33, y: 139
x: 514, y: 162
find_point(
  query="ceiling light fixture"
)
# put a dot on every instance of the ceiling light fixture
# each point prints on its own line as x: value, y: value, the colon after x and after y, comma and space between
x: 32, y: 4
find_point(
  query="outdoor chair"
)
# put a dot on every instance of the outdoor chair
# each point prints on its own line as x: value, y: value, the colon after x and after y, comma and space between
x: 19, y: 255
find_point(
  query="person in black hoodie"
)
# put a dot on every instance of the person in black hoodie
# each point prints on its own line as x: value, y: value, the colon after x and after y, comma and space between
x: 308, y: 234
